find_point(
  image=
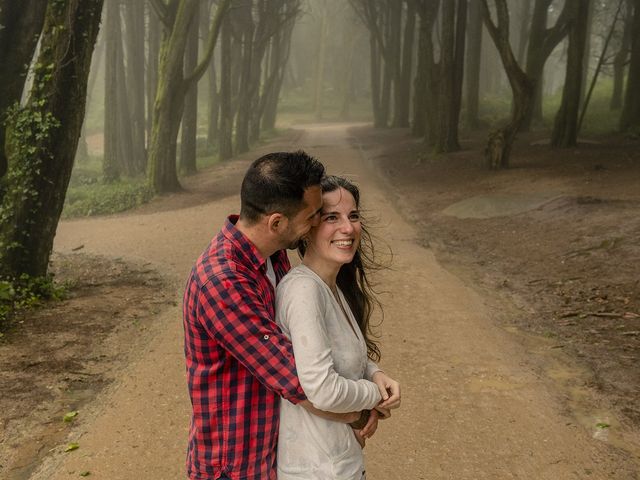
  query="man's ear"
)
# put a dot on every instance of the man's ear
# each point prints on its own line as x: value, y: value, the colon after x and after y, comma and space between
x: 276, y: 222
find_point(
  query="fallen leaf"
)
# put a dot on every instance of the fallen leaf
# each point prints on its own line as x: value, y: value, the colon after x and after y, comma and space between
x: 85, y: 473
x: 72, y: 446
x: 602, y: 425
x: 69, y: 416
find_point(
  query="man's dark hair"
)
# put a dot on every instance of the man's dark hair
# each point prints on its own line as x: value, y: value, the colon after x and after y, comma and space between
x: 276, y: 182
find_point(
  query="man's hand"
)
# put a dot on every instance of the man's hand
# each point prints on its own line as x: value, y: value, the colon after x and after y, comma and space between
x: 389, y: 390
x: 372, y: 425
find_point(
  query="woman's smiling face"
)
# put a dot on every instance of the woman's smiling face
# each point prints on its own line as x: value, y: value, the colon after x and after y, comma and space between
x: 337, y: 237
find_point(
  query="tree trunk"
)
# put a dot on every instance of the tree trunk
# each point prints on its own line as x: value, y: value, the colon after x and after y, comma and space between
x: 21, y: 26
x: 445, y: 93
x: 565, y: 129
x: 135, y: 33
x: 43, y: 137
x: 523, y: 34
x: 501, y: 141
x: 403, y: 89
x: 376, y: 62
x: 111, y: 164
x: 212, y: 82
x: 244, y: 20
x: 630, y: 118
x: 620, y: 60
x: 153, y: 55
x: 318, y: 98
x: 172, y: 88
x: 225, y: 150
x: 472, y: 69
x: 189, y: 129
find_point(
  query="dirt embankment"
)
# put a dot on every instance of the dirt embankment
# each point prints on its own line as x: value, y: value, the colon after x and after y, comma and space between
x: 558, y: 233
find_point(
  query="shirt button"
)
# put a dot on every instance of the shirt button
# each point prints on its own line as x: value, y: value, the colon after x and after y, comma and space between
x: 266, y: 337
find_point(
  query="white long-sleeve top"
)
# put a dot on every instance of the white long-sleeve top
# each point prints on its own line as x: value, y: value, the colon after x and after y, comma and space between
x: 332, y: 365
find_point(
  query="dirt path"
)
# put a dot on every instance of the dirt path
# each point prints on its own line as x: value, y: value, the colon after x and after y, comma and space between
x: 476, y: 404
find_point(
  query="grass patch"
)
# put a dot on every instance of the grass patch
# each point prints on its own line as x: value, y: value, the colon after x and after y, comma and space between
x: 102, y: 199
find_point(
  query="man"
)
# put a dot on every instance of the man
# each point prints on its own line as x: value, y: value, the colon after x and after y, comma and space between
x: 238, y: 361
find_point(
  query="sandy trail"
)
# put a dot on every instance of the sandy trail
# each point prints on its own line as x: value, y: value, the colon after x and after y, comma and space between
x: 474, y: 405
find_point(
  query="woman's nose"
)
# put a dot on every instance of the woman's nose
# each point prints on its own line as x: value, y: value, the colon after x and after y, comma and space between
x: 346, y: 226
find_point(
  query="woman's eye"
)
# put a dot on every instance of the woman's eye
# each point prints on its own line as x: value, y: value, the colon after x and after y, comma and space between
x: 354, y: 217
x: 330, y: 218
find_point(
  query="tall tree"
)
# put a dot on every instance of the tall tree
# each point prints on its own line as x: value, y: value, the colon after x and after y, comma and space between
x: 153, y: 54
x: 426, y: 80
x: 623, y: 41
x: 403, y: 87
x: 225, y: 142
x: 565, y: 128
x: 190, y: 115
x: 173, y: 85
x: 630, y: 117
x: 501, y: 140
x: 42, y: 137
x: 472, y: 68
x: 542, y: 41
x: 134, y: 42
x: 20, y: 27
x: 454, y: 19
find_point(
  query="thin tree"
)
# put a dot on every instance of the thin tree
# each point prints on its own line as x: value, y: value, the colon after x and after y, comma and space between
x: 472, y: 68
x: 188, y: 132
x: 565, y: 128
x: 630, y: 117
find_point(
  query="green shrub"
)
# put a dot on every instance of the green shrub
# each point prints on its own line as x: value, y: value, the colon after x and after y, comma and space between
x: 100, y: 199
x: 26, y: 292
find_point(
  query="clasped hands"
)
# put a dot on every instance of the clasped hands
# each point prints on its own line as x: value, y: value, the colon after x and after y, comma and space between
x: 390, y: 393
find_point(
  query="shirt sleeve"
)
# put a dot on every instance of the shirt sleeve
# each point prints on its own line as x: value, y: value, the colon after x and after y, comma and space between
x: 371, y: 369
x: 232, y: 312
x: 301, y: 305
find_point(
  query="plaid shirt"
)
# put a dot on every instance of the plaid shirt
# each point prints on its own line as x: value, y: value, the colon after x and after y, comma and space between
x: 239, y: 363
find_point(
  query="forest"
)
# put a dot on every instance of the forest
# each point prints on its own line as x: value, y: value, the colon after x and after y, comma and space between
x: 109, y: 106
x: 172, y: 80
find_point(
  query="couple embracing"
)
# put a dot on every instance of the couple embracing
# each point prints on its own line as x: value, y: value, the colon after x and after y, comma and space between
x: 257, y: 331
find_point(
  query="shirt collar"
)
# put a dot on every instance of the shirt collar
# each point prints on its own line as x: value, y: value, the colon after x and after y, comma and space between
x: 240, y: 241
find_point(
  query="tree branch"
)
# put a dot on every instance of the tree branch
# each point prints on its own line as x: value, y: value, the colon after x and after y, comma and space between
x: 214, y: 31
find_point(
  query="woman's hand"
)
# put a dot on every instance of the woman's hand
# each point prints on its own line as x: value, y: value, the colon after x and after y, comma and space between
x: 383, y: 413
x: 389, y: 390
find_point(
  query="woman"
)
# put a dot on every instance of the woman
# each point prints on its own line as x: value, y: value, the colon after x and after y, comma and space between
x: 324, y: 306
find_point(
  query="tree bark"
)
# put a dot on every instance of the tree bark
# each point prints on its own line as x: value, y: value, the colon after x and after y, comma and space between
x: 542, y: 41
x: 565, y: 129
x: 630, y: 118
x: 472, y: 69
x: 43, y: 137
x: 501, y: 141
x: 244, y: 20
x: 190, y: 113
x: 318, y: 98
x: 153, y: 55
x: 620, y: 60
x: 225, y: 150
x: 403, y: 88
x: 111, y: 164
x: 135, y: 33
x: 21, y: 26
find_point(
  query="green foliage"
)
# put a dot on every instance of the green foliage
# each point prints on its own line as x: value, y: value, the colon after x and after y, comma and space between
x: 26, y: 292
x: 99, y: 199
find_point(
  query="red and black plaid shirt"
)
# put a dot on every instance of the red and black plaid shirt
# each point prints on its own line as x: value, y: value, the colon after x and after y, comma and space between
x: 239, y: 363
